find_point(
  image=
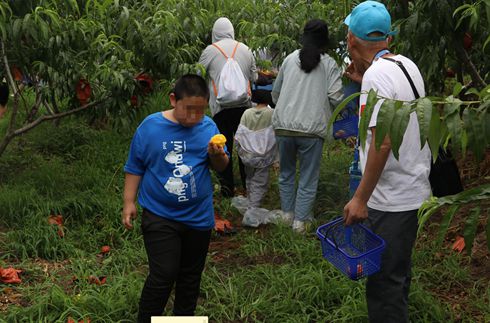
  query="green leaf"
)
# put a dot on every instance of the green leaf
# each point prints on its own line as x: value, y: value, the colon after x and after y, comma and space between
x: 486, y: 41
x: 16, y: 28
x: 475, y: 128
x: 454, y: 126
x: 446, y: 220
x: 435, y: 133
x: 466, y: 13
x: 366, y: 114
x: 383, y: 123
x: 424, y: 116
x: 427, y: 209
x: 469, y: 231
x: 453, y: 121
x: 457, y: 89
x: 430, y: 206
x: 451, y: 106
x: 3, y: 31
x: 399, y: 126
x: 463, y: 7
x: 485, y: 93
x: 473, y: 91
x: 445, y: 137
x: 473, y: 19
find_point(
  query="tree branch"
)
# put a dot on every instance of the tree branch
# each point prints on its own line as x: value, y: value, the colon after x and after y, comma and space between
x: 7, y: 69
x: 475, y: 76
x: 15, y: 106
x: 55, y: 116
x: 48, y: 107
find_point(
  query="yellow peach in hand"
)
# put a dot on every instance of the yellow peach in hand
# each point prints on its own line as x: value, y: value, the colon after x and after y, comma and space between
x: 219, y: 140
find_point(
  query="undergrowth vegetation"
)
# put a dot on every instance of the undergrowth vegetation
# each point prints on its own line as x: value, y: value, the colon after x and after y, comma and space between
x: 268, y: 274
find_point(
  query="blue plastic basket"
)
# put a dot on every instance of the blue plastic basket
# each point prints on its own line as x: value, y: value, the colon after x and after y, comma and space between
x: 346, y: 127
x: 354, y: 250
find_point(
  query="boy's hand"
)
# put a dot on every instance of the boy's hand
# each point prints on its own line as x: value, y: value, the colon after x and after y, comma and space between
x: 217, y: 157
x: 129, y: 212
x: 215, y: 150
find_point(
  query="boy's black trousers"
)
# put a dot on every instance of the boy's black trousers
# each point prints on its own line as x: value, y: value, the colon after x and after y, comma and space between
x: 176, y: 254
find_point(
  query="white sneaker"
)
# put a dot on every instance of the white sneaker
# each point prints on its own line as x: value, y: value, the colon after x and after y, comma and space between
x: 299, y: 226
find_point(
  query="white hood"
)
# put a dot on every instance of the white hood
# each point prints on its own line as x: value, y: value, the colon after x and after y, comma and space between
x: 223, y: 29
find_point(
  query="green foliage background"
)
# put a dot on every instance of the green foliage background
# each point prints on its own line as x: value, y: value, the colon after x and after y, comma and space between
x: 74, y: 168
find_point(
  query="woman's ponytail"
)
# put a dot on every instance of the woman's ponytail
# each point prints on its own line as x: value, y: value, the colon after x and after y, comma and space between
x: 315, y: 43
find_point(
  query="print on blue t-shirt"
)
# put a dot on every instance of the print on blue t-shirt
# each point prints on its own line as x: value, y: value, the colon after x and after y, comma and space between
x: 174, y: 165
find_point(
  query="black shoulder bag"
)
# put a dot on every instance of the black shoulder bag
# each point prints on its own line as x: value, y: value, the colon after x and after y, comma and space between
x: 444, y: 174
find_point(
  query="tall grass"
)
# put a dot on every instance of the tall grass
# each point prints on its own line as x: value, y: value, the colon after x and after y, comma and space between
x: 264, y: 275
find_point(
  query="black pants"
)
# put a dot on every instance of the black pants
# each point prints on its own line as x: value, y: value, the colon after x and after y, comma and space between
x: 387, y: 290
x: 176, y: 254
x: 227, y: 121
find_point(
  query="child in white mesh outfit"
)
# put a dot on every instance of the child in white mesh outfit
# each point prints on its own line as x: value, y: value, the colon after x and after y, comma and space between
x: 256, y: 146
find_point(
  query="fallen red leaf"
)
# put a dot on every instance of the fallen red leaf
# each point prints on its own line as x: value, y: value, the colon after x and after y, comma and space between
x: 105, y: 249
x: 57, y: 220
x: 97, y: 280
x: 10, y: 275
x: 458, y: 245
x: 71, y: 320
x: 221, y: 225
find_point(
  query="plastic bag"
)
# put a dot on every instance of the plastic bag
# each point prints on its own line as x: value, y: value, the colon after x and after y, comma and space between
x: 279, y: 216
x: 240, y: 203
x: 255, y: 216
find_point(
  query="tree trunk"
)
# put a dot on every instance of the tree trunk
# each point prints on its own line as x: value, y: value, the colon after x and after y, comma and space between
x: 404, y: 5
x: 468, y: 65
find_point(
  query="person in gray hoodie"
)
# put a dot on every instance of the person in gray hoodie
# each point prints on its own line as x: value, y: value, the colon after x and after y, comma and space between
x: 227, y: 117
x: 306, y: 90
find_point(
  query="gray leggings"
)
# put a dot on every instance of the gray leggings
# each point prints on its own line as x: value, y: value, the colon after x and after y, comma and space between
x: 387, y: 290
x: 257, y: 184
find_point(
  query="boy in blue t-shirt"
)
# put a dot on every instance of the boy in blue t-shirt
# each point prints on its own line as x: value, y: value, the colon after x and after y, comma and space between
x: 168, y: 166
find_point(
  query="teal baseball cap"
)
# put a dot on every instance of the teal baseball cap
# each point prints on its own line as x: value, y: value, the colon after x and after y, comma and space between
x: 368, y: 17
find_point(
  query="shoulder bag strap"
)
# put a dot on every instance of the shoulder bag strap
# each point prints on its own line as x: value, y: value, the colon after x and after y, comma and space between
x: 404, y: 70
x: 222, y: 52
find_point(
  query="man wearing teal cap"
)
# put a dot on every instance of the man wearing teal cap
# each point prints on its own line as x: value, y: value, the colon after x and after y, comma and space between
x: 391, y: 191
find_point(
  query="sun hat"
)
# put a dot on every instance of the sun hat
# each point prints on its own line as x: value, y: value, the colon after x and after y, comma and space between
x: 368, y: 17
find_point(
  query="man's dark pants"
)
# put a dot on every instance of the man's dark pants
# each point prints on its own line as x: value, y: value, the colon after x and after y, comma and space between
x: 227, y: 121
x: 387, y: 290
x: 176, y: 254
